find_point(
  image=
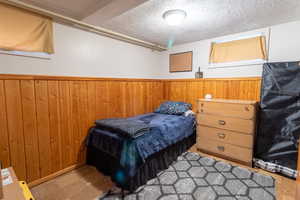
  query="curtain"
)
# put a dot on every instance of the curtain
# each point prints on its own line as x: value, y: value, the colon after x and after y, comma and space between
x: 22, y: 30
x: 239, y: 50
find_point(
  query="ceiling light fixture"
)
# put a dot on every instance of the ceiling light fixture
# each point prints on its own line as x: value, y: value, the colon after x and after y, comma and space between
x: 174, y: 17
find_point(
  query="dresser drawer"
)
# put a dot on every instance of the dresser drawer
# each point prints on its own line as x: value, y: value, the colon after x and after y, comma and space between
x: 222, y: 135
x: 228, y: 150
x: 228, y: 123
x: 245, y: 111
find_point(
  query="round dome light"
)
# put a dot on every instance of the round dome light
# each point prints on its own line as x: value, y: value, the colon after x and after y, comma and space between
x: 174, y: 17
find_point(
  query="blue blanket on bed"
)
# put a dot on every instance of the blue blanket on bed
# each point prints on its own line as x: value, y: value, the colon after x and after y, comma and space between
x: 165, y: 130
x: 124, y: 126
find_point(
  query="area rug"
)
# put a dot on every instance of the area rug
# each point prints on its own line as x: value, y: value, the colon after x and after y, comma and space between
x: 193, y: 177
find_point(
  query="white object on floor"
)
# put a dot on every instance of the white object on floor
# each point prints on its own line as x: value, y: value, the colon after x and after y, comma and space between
x: 6, y: 177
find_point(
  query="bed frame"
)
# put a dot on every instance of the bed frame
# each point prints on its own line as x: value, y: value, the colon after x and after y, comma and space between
x: 154, y: 164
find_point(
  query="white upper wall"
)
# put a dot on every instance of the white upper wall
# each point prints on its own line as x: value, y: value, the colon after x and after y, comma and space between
x: 81, y: 53
x: 284, y: 46
x: 285, y: 42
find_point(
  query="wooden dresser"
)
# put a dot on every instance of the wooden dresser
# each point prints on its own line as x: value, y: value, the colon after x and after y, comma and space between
x: 226, y: 128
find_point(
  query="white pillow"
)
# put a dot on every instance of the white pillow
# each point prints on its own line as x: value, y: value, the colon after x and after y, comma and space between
x: 189, y: 112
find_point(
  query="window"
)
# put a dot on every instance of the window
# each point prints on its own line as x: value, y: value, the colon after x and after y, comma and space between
x: 251, y: 50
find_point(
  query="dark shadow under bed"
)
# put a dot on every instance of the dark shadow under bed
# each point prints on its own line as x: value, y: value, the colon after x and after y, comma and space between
x: 154, y: 164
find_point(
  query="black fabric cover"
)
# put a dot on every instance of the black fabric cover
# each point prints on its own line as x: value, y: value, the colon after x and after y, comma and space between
x: 279, y: 120
x: 110, y: 166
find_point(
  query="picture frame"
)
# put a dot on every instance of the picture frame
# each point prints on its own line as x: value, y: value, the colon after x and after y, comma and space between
x: 181, y: 62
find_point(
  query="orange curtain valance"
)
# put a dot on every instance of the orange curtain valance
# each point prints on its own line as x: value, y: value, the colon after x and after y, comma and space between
x: 22, y: 30
x: 239, y: 50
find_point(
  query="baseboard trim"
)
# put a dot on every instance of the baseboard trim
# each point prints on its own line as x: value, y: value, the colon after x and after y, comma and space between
x: 54, y: 175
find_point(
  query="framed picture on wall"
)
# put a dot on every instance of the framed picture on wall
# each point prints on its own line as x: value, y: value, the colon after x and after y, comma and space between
x: 181, y: 62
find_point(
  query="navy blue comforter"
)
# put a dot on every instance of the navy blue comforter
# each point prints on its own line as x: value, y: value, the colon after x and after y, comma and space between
x: 165, y: 130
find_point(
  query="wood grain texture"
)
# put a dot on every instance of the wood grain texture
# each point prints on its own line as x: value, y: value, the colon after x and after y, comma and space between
x: 55, y: 124
x: 52, y: 105
x: 43, y: 127
x: 189, y: 90
x: 228, y: 123
x: 66, y: 123
x: 226, y: 136
x: 15, y: 127
x: 44, y: 120
x: 39, y: 110
x: 30, y: 130
x: 234, y: 108
x: 4, y: 142
x: 231, y: 152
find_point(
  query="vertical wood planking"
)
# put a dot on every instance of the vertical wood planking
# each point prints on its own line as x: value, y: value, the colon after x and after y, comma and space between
x: 15, y: 127
x: 114, y: 99
x: 76, y: 126
x: 102, y: 99
x: 123, y: 99
x: 210, y: 87
x: 257, y: 87
x: 166, y: 89
x: 30, y: 130
x: 148, y: 99
x: 44, y: 122
x: 55, y: 123
x: 138, y: 100
x: 91, y: 85
x: 234, y: 89
x: 178, y: 91
x: 129, y: 93
x: 83, y: 119
x: 157, y: 94
x: 191, y: 90
x: 43, y: 127
x: 66, y: 123
x: 4, y: 141
x: 194, y: 92
x: 218, y: 89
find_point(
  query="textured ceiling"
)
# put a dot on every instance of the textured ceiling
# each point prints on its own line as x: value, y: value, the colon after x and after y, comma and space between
x: 113, y: 9
x: 77, y: 9
x: 205, y: 18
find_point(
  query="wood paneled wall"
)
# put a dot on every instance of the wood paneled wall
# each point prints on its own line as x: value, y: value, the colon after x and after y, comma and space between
x: 189, y: 90
x: 44, y: 120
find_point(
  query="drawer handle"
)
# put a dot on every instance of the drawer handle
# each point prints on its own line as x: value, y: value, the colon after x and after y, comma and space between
x: 222, y: 122
x: 221, y: 148
x: 246, y: 108
x: 221, y: 135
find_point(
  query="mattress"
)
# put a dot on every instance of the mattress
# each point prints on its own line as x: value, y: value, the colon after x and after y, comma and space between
x: 165, y: 130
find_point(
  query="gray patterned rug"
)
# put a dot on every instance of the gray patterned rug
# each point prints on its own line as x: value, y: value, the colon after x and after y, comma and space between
x: 193, y: 177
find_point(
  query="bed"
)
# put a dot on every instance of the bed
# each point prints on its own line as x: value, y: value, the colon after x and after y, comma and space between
x: 132, y: 161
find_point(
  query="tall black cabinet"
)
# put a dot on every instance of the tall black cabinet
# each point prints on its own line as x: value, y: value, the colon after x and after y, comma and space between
x: 279, y: 119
